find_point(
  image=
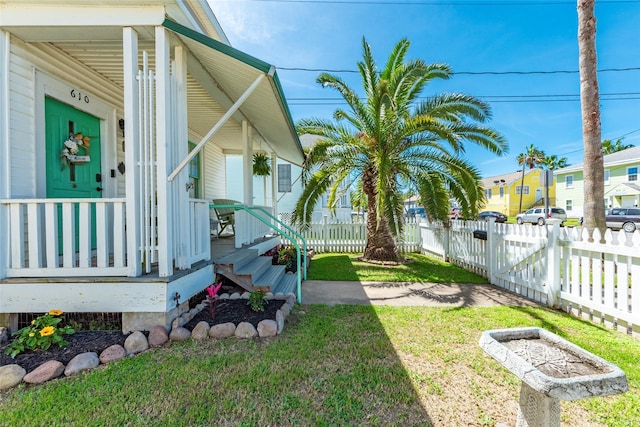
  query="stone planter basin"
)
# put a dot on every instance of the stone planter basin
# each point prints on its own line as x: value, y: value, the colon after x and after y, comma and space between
x: 552, y: 365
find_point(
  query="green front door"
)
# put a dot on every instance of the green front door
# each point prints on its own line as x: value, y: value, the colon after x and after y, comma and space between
x: 67, y: 179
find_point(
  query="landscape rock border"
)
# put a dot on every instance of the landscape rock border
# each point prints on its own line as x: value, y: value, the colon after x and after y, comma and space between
x: 137, y: 342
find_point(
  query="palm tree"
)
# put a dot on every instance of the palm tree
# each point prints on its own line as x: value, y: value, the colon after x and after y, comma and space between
x: 389, y: 141
x: 589, y: 103
x: 554, y: 162
x: 531, y: 157
x: 609, y: 147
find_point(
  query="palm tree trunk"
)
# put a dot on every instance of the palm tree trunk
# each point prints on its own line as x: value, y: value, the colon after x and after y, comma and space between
x: 589, y: 102
x: 381, y: 246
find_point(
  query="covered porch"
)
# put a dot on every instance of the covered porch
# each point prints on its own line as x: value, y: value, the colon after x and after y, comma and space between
x: 170, y: 101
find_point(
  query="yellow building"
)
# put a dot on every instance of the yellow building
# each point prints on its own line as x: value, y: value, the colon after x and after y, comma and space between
x: 502, y: 192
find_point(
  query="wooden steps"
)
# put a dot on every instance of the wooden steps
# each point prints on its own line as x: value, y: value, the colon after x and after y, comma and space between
x: 250, y: 271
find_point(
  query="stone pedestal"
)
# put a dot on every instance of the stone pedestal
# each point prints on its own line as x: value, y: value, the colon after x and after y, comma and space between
x: 537, y: 410
x: 551, y: 369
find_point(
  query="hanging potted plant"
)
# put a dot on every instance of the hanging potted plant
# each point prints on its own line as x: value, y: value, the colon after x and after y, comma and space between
x: 261, y: 165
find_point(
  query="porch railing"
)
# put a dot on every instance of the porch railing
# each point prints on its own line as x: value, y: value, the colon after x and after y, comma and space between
x: 251, y: 216
x: 199, y: 230
x: 248, y: 229
x: 66, y: 237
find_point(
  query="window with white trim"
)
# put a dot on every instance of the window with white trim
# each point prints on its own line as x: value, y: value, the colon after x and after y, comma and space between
x: 524, y: 190
x: 284, y: 178
x: 487, y: 193
x: 569, y: 205
x: 607, y: 175
x: 501, y: 192
x: 632, y: 174
x: 568, y: 181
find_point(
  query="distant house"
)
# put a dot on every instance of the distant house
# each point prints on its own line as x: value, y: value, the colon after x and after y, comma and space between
x: 289, y: 190
x: 502, y: 192
x: 621, y: 185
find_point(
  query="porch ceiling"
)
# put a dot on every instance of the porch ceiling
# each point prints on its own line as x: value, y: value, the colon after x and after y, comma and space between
x: 217, y: 76
x: 234, y: 71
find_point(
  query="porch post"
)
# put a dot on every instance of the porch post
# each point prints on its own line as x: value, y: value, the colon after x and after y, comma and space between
x: 274, y: 183
x: 163, y: 168
x: 247, y: 163
x: 5, y: 175
x: 132, y: 142
x: 183, y: 228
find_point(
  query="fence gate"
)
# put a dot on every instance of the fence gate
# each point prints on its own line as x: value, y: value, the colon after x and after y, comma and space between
x: 520, y: 260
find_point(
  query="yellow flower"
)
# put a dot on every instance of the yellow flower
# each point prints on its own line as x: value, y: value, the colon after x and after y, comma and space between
x: 33, y: 321
x: 55, y: 312
x: 46, y: 331
x: 31, y: 334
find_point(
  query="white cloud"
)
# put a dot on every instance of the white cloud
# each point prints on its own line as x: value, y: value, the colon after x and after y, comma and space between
x: 243, y: 22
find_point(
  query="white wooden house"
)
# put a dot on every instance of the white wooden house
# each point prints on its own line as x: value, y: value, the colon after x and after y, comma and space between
x: 289, y: 189
x: 119, y: 222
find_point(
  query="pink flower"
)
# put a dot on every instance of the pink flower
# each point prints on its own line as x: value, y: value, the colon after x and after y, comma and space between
x: 213, y: 290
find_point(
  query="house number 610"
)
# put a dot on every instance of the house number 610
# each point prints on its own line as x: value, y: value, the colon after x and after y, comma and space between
x: 77, y: 95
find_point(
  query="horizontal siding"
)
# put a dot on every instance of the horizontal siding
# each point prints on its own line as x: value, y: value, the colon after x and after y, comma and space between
x: 213, y: 170
x: 21, y: 127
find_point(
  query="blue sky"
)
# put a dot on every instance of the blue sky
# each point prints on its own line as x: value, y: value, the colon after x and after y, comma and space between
x: 470, y: 36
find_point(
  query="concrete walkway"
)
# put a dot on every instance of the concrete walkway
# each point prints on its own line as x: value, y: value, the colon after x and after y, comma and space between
x: 408, y: 294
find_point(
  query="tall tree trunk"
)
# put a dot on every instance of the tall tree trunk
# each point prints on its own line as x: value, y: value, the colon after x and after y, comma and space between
x: 381, y: 246
x: 589, y: 102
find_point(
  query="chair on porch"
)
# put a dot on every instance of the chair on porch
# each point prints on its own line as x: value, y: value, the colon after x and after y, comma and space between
x: 226, y: 216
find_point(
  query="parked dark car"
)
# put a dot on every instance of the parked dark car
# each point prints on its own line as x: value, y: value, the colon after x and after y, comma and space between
x: 485, y: 215
x: 627, y: 219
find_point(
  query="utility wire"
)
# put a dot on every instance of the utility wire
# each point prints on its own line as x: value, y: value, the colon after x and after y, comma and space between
x: 620, y: 96
x: 472, y: 73
x: 445, y: 2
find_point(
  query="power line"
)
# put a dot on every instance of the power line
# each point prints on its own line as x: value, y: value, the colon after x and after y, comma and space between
x: 472, y: 73
x: 485, y: 96
x: 445, y: 2
x: 618, y: 96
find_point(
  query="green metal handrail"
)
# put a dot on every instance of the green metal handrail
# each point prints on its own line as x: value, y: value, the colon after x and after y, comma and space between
x: 291, y: 230
x: 250, y: 210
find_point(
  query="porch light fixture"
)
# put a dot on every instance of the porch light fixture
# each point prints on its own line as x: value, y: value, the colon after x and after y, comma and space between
x: 121, y: 125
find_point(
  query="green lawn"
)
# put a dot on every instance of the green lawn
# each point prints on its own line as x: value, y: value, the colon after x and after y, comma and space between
x: 333, y: 365
x: 342, y: 365
x: 333, y: 266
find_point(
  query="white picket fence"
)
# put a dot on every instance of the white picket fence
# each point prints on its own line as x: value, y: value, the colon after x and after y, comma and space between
x: 347, y: 237
x: 559, y: 267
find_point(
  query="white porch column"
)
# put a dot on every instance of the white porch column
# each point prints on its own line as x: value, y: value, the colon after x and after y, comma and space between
x: 163, y: 154
x: 183, y: 236
x: 247, y: 163
x: 274, y: 183
x: 132, y: 141
x: 5, y: 170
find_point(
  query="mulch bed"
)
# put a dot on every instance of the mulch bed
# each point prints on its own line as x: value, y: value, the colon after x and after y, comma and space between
x: 80, y: 342
x: 234, y: 311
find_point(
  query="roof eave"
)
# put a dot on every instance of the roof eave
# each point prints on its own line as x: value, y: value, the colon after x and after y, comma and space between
x: 254, y: 63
